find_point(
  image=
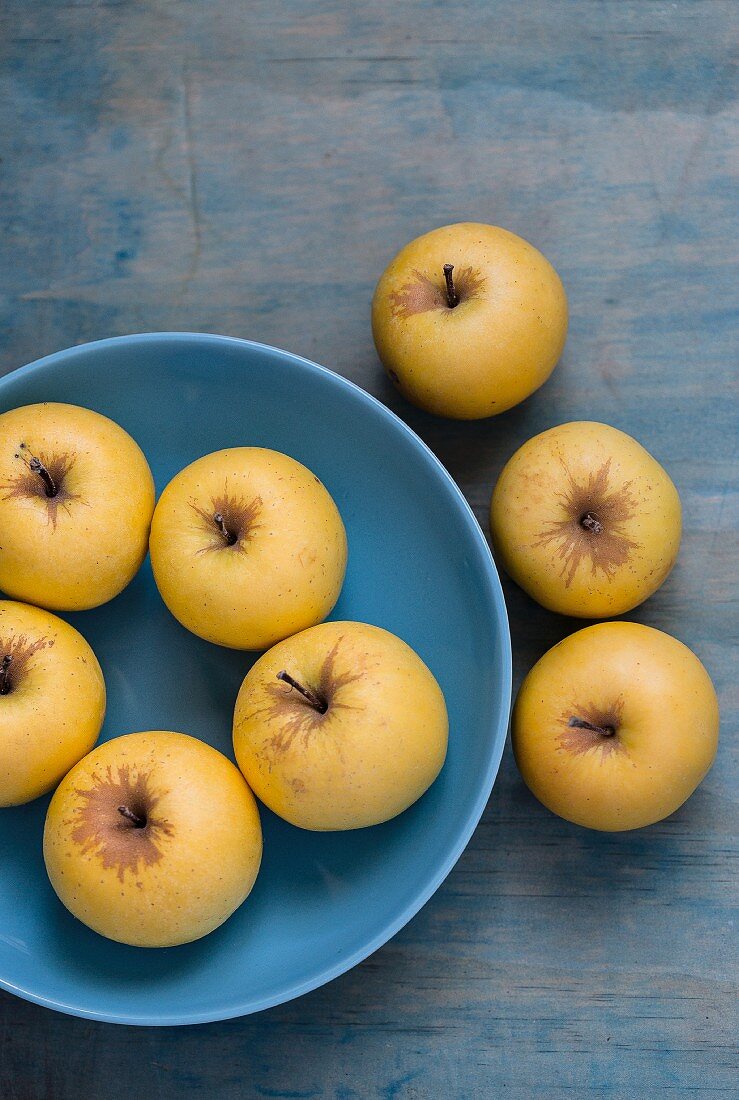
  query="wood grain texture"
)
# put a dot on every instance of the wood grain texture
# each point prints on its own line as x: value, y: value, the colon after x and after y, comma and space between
x: 250, y: 168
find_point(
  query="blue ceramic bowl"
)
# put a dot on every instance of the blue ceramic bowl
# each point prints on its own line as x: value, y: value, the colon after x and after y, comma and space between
x: 418, y: 565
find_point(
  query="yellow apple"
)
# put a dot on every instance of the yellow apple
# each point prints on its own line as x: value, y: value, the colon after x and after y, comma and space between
x: 153, y: 839
x: 468, y: 320
x: 585, y: 520
x: 76, y: 499
x: 247, y: 547
x: 52, y: 701
x: 340, y: 727
x: 616, y: 726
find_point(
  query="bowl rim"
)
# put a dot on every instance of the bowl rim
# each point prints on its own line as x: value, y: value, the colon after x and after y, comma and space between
x: 498, y: 725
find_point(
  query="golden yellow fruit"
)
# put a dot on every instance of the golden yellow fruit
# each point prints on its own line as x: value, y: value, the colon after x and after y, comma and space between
x: 52, y: 701
x: 616, y: 726
x: 340, y: 727
x: 585, y: 520
x: 247, y: 547
x: 76, y: 499
x: 153, y: 839
x: 474, y: 341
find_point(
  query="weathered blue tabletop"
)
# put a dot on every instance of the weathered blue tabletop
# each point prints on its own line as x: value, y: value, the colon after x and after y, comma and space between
x: 249, y: 168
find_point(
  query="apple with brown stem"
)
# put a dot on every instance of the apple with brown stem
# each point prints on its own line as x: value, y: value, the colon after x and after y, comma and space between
x: 52, y: 701
x: 340, y: 727
x: 615, y: 726
x: 247, y: 547
x: 585, y: 520
x: 153, y: 839
x: 76, y: 500
x: 468, y: 320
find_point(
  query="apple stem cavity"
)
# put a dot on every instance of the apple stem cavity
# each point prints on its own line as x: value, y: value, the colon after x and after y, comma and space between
x: 591, y: 523
x: 136, y: 821
x: 582, y: 724
x: 451, y: 294
x: 220, y: 523
x: 312, y: 697
x: 4, y: 673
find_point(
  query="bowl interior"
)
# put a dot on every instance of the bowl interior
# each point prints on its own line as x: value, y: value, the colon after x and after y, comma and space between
x: 418, y: 565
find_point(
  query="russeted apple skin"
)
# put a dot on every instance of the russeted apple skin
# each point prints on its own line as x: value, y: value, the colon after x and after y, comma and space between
x: 498, y: 343
x: 54, y: 706
x: 81, y: 547
x: 576, y: 473
x: 646, y: 687
x: 247, y: 547
x: 374, y: 749
x: 181, y: 874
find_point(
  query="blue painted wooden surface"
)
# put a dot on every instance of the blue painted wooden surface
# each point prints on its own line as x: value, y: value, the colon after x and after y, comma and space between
x: 249, y: 169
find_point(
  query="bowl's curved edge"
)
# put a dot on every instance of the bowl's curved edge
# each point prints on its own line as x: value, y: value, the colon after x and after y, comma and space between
x: 499, y: 733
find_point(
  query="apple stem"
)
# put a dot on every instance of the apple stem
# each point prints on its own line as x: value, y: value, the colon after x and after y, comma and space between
x: 220, y: 523
x: 315, y: 700
x: 581, y: 724
x: 36, y: 466
x: 4, y: 669
x: 451, y: 295
x: 591, y: 523
x: 135, y: 820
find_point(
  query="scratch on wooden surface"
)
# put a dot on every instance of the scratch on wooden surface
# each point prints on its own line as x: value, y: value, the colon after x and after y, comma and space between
x: 384, y: 80
x: 192, y: 190
x: 181, y: 192
x: 340, y: 57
